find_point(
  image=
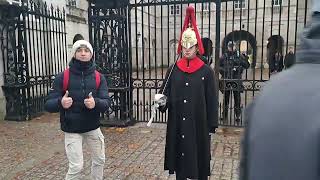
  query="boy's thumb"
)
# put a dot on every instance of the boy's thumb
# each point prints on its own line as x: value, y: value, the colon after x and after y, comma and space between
x: 66, y: 94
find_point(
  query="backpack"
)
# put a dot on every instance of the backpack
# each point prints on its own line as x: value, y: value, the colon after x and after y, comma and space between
x: 66, y: 76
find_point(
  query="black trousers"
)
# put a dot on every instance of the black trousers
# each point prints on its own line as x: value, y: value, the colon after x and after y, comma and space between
x: 237, y: 102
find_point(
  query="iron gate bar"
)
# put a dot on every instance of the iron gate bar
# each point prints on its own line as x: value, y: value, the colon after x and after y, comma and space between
x: 161, y: 37
x: 254, y: 53
x: 130, y: 93
x: 137, y: 60
x: 255, y: 36
x: 149, y: 59
x: 296, y: 26
x: 289, y: 24
x: 305, y: 13
x: 143, y: 58
x: 217, y: 43
x: 262, y: 49
x: 23, y: 61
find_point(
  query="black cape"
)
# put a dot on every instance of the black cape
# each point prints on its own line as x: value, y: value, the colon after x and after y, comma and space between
x: 193, y: 113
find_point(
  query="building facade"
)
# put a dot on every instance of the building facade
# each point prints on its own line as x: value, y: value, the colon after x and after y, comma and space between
x: 261, y: 26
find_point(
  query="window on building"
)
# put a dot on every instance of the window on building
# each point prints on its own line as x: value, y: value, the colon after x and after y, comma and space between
x: 206, y: 7
x: 239, y: 4
x: 174, y: 9
x: 72, y: 3
x: 276, y: 2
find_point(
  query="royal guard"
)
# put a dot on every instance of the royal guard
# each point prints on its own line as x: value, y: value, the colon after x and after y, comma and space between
x: 189, y: 93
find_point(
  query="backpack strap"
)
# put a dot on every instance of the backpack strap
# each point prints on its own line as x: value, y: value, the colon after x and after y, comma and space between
x: 98, y: 79
x: 66, y: 75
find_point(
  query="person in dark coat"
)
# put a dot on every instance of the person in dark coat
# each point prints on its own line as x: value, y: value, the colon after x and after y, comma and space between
x: 192, y: 102
x: 281, y: 140
x: 207, y: 55
x: 80, y: 107
x: 290, y: 59
x: 276, y: 64
x: 232, y: 65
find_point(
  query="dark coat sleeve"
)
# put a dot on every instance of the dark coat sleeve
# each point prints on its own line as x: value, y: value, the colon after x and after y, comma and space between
x: 272, y: 63
x: 53, y: 100
x: 102, y: 100
x: 244, y: 61
x: 166, y: 91
x: 286, y: 60
x: 212, y: 101
x: 222, y: 60
x: 280, y: 64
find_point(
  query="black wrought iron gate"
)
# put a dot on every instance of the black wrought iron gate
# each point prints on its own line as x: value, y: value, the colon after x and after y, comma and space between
x: 32, y: 50
x: 258, y: 28
x: 264, y: 31
x: 136, y: 41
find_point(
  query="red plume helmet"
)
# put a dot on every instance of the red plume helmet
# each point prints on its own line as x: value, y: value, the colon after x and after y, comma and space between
x: 190, y: 22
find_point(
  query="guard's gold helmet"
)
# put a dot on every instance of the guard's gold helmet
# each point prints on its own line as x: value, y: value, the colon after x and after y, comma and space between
x: 188, y: 38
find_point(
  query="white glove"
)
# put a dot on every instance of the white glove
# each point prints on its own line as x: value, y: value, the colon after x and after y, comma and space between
x: 160, y: 99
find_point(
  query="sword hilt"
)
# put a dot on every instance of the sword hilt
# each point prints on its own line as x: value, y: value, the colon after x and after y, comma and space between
x: 153, y: 113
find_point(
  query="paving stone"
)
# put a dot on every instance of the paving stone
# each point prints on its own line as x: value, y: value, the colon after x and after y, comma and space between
x: 35, y: 150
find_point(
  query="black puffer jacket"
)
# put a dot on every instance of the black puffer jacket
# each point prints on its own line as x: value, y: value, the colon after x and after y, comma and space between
x: 78, y: 118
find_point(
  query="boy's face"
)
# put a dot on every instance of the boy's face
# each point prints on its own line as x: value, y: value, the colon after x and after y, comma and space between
x: 83, y: 54
x: 189, y: 53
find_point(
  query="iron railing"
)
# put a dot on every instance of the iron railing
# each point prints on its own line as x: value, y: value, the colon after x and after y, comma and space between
x: 33, y: 50
x: 258, y: 28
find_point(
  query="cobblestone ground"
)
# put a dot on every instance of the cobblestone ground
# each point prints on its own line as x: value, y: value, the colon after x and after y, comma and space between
x: 35, y: 150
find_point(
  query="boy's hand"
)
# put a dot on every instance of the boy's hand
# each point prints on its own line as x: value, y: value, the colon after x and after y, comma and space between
x: 89, y: 102
x: 66, y: 101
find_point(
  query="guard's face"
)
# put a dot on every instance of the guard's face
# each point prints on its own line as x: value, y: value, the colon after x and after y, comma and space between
x: 190, y: 53
x: 83, y: 54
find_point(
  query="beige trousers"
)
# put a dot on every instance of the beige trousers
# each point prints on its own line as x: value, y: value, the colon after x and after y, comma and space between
x: 73, y: 146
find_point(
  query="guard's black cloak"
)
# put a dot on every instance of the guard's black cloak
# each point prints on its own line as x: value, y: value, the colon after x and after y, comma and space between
x: 193, y: 113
